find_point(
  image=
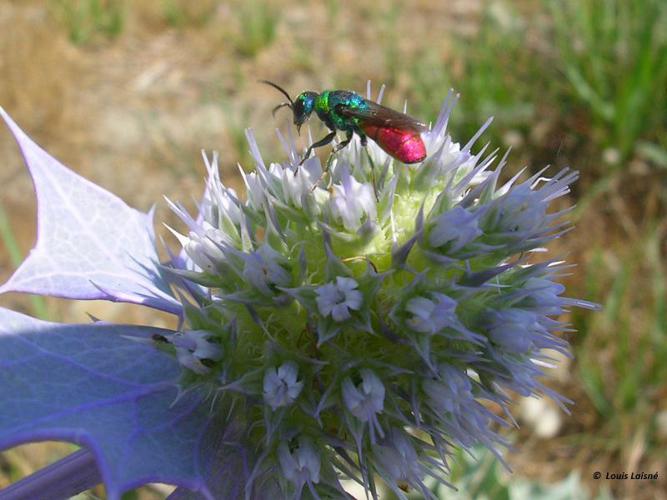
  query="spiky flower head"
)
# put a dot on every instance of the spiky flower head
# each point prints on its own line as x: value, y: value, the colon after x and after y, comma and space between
x: 361, y: 320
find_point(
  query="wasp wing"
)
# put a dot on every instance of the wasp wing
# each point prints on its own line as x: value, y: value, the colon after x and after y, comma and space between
x: 380, y: 116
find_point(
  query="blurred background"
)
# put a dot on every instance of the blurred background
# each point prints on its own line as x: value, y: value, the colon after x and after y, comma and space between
x: 127, y: 93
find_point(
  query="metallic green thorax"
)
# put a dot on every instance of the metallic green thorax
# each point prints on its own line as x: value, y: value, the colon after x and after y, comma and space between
x: 329, y: 106
x: 325, y: 106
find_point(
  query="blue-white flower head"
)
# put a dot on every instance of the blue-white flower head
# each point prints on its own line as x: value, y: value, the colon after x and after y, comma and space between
x: 218, y: 202
x: 519, y: 211
x: 298, y: 185
x: 398, y: 461
x: 450, y: 391
x: 514, y: 329
x: 339, y: 322
x: 264, y: 269
x: 204, y: 247
x: 193, y: 347
x: 398, y: 457
x: 545, y: 296
x: 431, y: 315
x: 365, y: 399
x: 300, y: 465
x: 339, y: 298
x: 352, y: 202
x: 281, y: 387
x: 406, y: 278
x: 456, y: 228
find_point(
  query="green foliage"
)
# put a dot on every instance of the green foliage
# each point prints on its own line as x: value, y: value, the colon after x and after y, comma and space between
x: 131, y: 495
x: 481, y: 476
x: 258, y: 21
x: 609, y: 69
x: 181, y: 13
x: 86, y: 19
x: 622, y: 350
x: 387, y: 22
x: 613, y: 54
x: 492, y: 70
x: 653, y: 153
x: 236, y: 130
x: 8, y: 240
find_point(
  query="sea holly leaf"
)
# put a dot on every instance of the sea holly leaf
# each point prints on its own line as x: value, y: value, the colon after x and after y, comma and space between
x: 229, y: 467
x: 90, y: 244
x: 94, y: 386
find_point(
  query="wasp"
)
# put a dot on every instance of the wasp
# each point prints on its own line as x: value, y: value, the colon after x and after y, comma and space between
x: 398, y: 134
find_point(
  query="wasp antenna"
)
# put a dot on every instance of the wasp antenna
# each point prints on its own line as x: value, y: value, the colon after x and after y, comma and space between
x: 281, y: 105
x: 278, y: 88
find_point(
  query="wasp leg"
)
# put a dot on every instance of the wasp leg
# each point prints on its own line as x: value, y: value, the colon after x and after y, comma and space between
x: 347, y: 140
x: 327, y: 167
x: 322, y: 142
x: 372, y: 164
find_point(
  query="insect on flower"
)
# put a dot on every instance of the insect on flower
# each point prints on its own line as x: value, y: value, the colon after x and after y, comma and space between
x: 396, y: 133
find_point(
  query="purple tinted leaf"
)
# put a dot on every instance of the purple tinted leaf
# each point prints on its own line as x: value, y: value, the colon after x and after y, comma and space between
x: 90, y: 244
x: 91, y: 385
x: 229, y: 471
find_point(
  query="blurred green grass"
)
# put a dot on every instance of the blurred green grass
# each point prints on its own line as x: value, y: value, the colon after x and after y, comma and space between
x: 577, y: 82
x: 87, y: 19
x: 613, y: 54
x: 621, y: 354
x: 8, y: 239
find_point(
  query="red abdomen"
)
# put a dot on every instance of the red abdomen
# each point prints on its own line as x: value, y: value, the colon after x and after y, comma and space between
x: 404, y: 145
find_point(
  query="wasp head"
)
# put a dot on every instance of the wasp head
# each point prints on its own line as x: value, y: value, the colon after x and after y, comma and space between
x: 302, y: 107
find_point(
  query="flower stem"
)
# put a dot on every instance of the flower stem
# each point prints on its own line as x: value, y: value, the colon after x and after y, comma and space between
x: 62, y: 479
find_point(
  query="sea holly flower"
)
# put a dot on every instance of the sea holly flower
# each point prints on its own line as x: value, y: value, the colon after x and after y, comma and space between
x: 514, y: 329
x: 338, y: 298
x: 431, y: 315
x: 265, y: 269
x: 338, y: 321
x: 365, y: 399
x: 194, y: 349
x: 203, y: 247
x: 352, y: 201
x: 300, y: 466
x: 281, y: 387
x: 399, y: 463
x: 456, y: 228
